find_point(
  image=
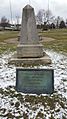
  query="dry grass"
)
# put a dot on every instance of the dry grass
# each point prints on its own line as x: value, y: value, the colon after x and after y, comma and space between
x: 60, y: 44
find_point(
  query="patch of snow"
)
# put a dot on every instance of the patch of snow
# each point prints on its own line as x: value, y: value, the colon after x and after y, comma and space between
x: 9, y: 100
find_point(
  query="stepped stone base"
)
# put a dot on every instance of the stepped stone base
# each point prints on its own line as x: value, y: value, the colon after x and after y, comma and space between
x: 32, y: 50
x: 30, y: 61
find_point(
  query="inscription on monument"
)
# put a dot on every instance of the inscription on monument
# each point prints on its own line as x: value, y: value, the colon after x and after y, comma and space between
x: 35, y: 80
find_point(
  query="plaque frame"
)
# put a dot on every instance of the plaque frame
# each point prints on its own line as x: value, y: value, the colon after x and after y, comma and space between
x: 33, y: 69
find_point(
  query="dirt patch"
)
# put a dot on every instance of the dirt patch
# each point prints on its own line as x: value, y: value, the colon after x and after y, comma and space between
x: 2, y: 43
x: 12, y: 41
x: 15, y: 40
x: 46, y: 39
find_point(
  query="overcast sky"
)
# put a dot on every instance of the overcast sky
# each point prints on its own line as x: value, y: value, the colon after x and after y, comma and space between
x: 58, y: 7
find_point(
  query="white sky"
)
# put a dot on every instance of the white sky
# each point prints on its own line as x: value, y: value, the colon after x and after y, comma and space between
x: 58, y: 7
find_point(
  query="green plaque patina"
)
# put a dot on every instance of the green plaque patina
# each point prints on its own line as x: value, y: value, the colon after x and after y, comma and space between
x: 38, y: 81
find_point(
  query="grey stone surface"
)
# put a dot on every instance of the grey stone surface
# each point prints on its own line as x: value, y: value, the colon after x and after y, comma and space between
x: 28, y: 33
x: 30, y: 61
x: 29, y: 41
x: 30, y: 51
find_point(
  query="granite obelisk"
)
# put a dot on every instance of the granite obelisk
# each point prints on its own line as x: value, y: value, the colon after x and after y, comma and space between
x: 29, y: 42
x: 29, y: 50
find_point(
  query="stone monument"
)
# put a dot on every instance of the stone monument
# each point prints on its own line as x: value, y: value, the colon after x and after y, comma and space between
x: 30, y: 53
x: 29, y: 50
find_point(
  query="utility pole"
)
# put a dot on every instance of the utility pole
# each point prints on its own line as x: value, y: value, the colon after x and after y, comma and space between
x: 10, y: 11
x: 29, y: 2
x: 17, y: 24
x: 48, y: 11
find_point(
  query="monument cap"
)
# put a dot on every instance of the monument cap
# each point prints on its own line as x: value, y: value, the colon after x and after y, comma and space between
x: 28, y: 7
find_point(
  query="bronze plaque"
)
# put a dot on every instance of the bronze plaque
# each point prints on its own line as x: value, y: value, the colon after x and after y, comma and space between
x: 35, y: 81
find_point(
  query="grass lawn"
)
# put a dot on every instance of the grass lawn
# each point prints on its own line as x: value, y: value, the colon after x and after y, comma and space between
x: 60, y: 42
x: 4, y: 35
x: 7, y: 35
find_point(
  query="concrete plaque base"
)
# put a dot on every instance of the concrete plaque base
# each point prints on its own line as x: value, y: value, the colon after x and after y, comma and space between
x: 35, y: 81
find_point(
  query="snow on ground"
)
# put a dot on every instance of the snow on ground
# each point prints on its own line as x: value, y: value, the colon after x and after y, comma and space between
x: 14, y: 105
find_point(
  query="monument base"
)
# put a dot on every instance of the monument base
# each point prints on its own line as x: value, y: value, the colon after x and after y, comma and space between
x: 30, y: 61
x: 32, y: 50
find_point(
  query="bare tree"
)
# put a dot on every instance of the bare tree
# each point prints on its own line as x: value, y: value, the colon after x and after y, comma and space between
x: 58, y: 20
x: 45, y: 16
x: 4, y: 22
x: 48, y: 16
x: 62, y: 24
x: 40, y: 15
